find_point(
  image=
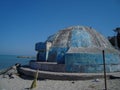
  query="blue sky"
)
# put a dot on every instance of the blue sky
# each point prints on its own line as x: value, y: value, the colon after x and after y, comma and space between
x: 25, y: 22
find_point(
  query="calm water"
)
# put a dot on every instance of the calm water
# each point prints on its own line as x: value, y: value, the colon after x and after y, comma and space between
x: 9, y: 60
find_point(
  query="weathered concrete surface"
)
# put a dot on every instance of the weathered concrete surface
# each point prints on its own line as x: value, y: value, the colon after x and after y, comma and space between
x: 78, y: 36
x: 90, y: 60
x: 63, y: 76
x: 47, y: 66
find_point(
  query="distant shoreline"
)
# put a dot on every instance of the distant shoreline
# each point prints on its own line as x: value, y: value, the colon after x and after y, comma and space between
x: 30, y: 57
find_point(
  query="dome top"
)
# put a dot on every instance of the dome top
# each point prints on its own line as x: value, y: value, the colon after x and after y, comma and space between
x: 78, y: 36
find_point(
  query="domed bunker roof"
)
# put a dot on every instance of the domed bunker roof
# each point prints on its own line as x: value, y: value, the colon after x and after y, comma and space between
x: 80, y: 49
x: 78, y: 36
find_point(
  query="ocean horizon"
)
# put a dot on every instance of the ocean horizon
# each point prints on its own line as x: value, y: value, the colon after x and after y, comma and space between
x: 8, y: 60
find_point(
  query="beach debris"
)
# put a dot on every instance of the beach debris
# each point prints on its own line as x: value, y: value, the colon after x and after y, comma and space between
x: 73, y: 82
x: 10, y: 72
x: 11, y: 76
x: 96, y: 80
x: 34, y: 83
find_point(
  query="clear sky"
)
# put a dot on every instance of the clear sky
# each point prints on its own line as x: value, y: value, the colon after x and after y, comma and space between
x: 25, y: 22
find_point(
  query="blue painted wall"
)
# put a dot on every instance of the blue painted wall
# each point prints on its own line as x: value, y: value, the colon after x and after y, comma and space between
x: 80, y: 38
x: 41, y: 56
x: 57, y: 54
x: 40, y: 46
x: 88, y: 63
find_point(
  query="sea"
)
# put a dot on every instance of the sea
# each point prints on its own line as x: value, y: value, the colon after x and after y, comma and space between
x: 7, y: 61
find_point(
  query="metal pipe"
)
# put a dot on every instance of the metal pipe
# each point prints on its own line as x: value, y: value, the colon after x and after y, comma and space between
x: 104, y: 70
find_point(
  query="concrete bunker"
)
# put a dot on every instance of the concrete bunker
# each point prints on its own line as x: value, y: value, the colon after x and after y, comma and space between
x: 76, y: 49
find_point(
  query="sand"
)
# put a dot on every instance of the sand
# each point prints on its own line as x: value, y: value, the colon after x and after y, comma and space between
x: 24, y: 83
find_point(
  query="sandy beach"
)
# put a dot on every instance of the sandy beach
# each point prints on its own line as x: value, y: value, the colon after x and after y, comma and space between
x: 24, y: 83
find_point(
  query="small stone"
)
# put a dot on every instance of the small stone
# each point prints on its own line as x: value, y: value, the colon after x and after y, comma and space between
x: 96, y: 80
